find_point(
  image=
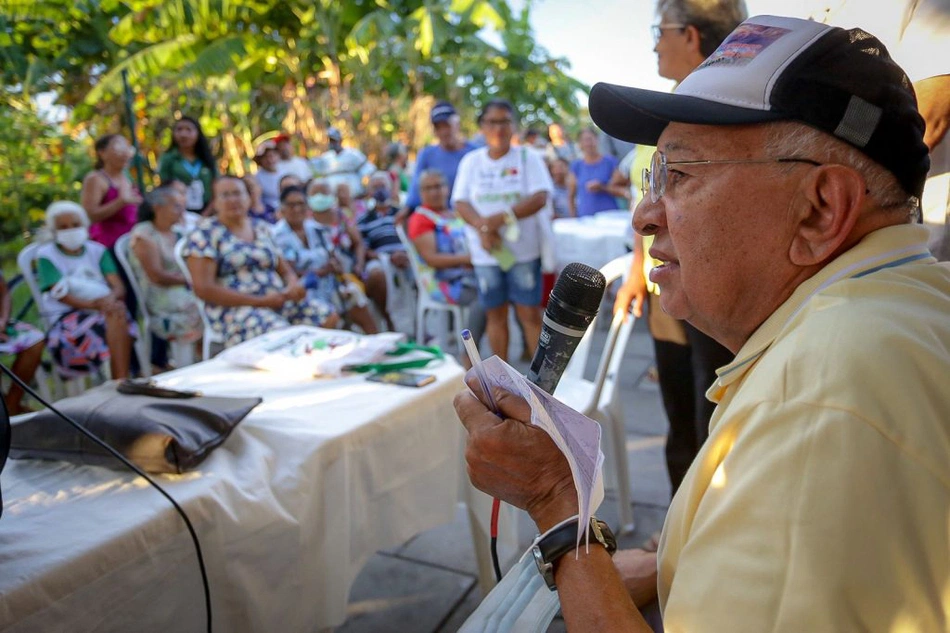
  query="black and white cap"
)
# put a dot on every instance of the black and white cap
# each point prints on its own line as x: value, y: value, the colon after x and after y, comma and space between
x: 770, y: 68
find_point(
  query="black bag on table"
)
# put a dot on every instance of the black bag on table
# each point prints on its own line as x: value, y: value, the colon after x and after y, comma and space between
x: 167, y: 433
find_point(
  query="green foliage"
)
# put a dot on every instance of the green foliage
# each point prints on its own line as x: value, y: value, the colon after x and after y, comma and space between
x: 246, y: 68
x: 41, y: 165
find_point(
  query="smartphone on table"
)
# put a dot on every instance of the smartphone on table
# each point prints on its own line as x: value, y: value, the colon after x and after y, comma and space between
x: 403, y: 378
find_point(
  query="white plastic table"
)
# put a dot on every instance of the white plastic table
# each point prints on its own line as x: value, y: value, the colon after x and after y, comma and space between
x: 315, y: 480
x: 593, y: 240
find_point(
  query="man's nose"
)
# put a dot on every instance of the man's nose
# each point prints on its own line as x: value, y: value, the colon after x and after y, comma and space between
x: 648, y: 216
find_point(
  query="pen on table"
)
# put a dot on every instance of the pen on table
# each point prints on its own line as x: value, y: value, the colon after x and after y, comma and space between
x: 472, y: 350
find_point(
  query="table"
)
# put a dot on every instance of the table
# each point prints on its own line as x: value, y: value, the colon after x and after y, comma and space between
x: 593, y: 240
x: 315, y: 480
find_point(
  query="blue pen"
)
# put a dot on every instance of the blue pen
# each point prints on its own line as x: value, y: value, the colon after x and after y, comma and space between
x: 472, y: 350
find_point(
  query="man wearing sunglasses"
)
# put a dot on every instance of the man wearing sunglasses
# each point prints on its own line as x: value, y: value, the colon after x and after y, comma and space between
x: 782, y: 199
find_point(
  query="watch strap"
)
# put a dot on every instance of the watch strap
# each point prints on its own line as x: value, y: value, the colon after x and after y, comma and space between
x: 562, y: 538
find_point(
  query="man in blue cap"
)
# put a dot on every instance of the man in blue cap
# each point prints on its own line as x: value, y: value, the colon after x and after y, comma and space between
x: 445, y: 155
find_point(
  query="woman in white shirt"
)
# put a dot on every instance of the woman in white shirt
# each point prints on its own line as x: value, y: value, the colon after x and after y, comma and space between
x: 499, y: 192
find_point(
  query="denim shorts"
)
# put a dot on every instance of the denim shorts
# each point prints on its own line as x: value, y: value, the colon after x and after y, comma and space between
x: 520, y: 285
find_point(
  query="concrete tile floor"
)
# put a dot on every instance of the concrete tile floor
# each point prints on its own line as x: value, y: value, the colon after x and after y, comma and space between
x: 429, y: 584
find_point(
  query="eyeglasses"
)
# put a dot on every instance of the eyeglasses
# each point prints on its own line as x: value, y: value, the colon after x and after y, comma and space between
x: 436, y: 187
x: 657, y: 30
x: 498, y: 122
x: 654, y: 179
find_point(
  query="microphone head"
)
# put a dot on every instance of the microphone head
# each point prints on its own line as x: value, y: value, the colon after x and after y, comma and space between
x: 577, y: 294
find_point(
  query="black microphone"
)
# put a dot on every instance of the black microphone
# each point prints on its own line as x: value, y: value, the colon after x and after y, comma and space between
x: 573, y: 304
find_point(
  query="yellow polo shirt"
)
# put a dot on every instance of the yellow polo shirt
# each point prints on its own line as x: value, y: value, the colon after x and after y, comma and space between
x: 821, y: 501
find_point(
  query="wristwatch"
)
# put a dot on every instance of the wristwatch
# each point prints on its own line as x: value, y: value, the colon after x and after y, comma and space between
x: 562, y: 538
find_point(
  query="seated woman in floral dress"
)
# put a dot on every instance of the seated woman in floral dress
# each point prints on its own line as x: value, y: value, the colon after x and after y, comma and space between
x: 83, y: 298
x: 237, y: 270
x: 172, y: 308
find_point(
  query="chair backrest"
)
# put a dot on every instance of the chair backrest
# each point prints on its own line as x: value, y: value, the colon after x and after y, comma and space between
x: 418, y: 266
x: 617, y: 338
x: 612, y: 271
x: 183, y: 266
x: 610, y: 395
x: 25, y: 260
x: 180, y: 260
x: 122, y: 254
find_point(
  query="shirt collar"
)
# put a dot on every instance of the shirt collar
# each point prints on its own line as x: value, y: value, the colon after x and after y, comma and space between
x: 884, y: 248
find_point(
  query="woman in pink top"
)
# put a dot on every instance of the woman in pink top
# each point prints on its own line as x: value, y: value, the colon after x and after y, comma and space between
x: 108, y: 196
x: 111, y: 201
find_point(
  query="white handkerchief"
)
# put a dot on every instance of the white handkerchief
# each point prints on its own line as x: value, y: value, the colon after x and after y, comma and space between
x: 575, y: 434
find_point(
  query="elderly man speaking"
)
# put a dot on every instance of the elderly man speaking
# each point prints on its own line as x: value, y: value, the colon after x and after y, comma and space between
x: 782, y: 198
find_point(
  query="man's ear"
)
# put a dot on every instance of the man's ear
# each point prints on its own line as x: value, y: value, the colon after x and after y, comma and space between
x: 830, y: 203
x: 694, y: 41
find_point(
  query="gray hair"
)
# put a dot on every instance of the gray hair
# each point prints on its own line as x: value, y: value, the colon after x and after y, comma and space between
x: 794, y: 139
x: 714, y: 19
x: 313, y: 183
x: 380, y: 175
x: 432, y: 173
x: 160, y: 196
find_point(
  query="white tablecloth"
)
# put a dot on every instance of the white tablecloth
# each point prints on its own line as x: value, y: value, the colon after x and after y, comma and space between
x: 592, y: 240
x: 318, y: 477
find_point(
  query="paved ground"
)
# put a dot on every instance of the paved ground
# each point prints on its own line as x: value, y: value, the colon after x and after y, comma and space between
x: 429, y: 584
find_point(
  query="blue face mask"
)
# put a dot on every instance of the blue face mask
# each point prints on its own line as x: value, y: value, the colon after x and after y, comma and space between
x: 381, y: 196
x: 321, y: 202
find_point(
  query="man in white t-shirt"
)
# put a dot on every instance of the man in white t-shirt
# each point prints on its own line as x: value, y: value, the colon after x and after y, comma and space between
x: 289, y: 162
x: 343, y: 165
x: 499, y: 192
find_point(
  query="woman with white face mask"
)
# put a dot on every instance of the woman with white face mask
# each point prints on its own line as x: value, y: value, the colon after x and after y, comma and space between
x: 83, y: 297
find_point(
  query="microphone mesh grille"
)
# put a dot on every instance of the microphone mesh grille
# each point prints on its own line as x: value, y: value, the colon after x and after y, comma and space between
x: 581, y: 286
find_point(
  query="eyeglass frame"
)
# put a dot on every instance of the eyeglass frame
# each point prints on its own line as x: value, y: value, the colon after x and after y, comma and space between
x: 662, y: 165
x: 657, y: 30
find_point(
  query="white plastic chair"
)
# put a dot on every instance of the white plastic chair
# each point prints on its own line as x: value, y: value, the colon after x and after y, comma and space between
x: 426, y: 303
x: 144, y: 343
x: 210, y: 336
x: 182, y: 353
x: 599, y: 399
x: 74, y: 386
x: 42, y: 380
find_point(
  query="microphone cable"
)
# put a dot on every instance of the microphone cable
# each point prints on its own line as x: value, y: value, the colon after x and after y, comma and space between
x: 136, y: 470
x: 495, y: 507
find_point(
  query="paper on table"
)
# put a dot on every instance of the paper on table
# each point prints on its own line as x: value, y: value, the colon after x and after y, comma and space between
x: 310, y: 351
x: 575, y: 434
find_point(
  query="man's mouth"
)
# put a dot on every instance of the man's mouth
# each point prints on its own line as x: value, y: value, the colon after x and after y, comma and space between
x: 667, y: 264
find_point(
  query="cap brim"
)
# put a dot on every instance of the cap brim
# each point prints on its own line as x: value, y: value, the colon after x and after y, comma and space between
x: 640, y: 116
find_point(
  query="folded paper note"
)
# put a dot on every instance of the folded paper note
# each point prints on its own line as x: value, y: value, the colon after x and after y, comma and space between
x: 575, y: 434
